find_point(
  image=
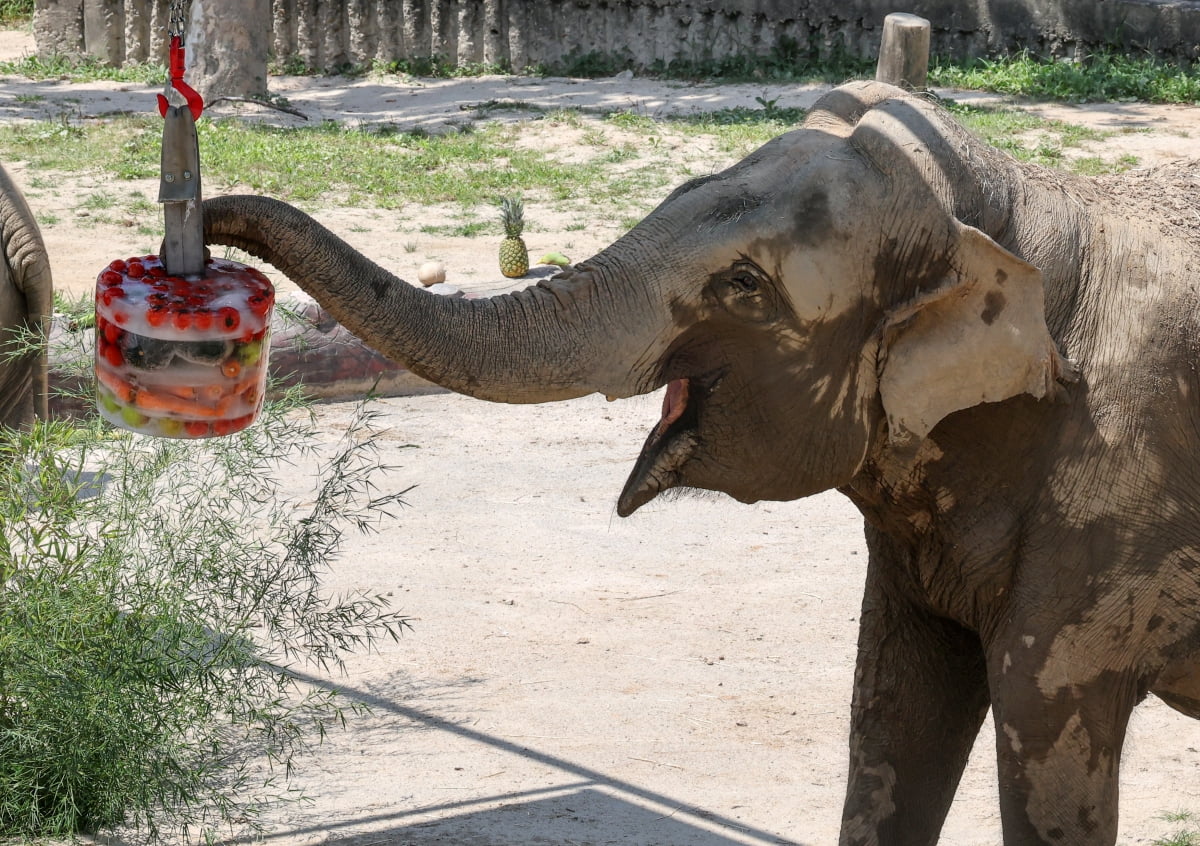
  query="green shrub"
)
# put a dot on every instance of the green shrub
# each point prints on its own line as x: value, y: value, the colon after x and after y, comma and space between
x: 1104, y: 76
x: 153, y: 596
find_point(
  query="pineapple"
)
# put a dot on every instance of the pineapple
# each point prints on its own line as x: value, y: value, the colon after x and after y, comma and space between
x: 514, y: 256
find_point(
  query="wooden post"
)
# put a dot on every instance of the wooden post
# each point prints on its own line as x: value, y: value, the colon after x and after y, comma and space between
x: 904, y: 51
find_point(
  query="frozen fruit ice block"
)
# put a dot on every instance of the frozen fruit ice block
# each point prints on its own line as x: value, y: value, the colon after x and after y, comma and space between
x: 181, y: 358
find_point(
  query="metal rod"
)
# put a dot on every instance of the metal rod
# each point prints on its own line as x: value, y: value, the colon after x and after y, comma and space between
x: 179, y: 192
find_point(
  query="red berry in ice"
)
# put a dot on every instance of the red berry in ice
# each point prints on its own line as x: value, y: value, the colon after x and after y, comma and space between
x: 196, y: 428
x: 117, y: 265
x: 229, y: 317
x: 112, y: 354
x: 136, y: 270
x: 203, y: 320
x: 259, y: 303
x: 156, y: 315
x: 182, y: 319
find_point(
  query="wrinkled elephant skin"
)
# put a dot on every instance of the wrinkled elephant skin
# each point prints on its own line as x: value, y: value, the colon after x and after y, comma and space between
x: 996, y: 363
x: 26, y: 301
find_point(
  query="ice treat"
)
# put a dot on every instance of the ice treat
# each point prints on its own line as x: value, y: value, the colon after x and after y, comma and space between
x: 181, y: 358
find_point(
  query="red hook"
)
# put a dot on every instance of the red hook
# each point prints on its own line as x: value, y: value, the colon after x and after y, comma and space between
x: 194, y: 101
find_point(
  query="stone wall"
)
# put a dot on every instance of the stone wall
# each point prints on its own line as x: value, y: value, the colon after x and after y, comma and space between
x: 521, y: 33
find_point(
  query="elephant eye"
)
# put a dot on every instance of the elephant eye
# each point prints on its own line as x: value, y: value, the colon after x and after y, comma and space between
x: 744, y: 283
x: 744, y: 290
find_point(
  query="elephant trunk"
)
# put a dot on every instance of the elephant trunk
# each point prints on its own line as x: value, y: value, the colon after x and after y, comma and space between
x: 28, y: 268
x: 557, y: 340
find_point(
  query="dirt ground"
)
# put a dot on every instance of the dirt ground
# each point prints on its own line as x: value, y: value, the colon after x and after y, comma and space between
x: 679, y: 678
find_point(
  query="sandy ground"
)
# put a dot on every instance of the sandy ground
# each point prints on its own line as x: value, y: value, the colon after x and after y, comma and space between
x: 679, y: 678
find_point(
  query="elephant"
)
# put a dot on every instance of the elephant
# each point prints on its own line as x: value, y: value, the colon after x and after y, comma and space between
x: 995, y: 362
x: 26, y: 303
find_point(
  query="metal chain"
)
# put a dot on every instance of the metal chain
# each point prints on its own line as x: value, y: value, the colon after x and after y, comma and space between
x: 177, y: 19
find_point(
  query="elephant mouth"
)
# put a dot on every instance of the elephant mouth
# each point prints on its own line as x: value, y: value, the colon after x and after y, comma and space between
x: 670, y: 445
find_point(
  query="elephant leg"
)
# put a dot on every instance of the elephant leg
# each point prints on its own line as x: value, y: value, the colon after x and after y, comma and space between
x: 920, y: 696
x: 1058, y: 746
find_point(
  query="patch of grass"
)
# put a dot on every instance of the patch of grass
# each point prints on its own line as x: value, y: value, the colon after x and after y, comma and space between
x: 15, y: 12
x: 1096, y: 166
x: 84, y: 69
x: 98, y: 201
x: 1101, y: 77
x: 468, y: 229
x: 1034, y: 139
x: 1184, y: 837
x: 788, y: 61
x: 632, y: 121
x: 738, y: 130
x: 437, y: 67
x: 1178, y: 816
x: 348, y: 165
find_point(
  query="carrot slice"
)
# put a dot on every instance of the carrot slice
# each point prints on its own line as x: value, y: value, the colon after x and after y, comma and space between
x: 168, y: 404
x: 186, y: 392
x: 123, y: 390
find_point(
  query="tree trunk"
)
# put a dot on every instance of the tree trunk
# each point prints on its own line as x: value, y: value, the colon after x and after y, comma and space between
x: 227, y: 43
x: 904, y: 51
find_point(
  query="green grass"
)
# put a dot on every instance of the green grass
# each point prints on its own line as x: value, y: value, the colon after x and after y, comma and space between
x: 84, y: 69
x: 626, y: 156
x: 387, y: 169
x: 15, y: 12
x: 738, y: 130
x: 1189, y: 836
x: 788, y: 61
x: 1101, y: 77
x: 1008, y: 129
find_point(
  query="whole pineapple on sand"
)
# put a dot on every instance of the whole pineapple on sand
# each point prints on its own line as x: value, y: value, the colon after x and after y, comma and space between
x: 514, y: 256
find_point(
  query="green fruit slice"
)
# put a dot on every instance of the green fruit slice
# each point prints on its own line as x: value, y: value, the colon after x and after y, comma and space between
x: 133, y: 417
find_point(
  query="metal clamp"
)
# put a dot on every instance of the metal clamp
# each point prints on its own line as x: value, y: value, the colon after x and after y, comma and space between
x: 179, y: 192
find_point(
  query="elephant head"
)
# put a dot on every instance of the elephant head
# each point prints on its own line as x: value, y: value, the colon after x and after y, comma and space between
x: 26, y: 302
x: 815, y: 302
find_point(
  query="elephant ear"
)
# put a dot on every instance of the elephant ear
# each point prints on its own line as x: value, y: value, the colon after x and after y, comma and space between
x: 979, y: 337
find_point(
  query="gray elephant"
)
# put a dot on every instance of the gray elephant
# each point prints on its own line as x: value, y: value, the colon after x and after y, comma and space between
x: 26, y: 302
x: 995, y: 362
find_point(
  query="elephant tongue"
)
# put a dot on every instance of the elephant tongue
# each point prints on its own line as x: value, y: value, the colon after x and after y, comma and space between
x: 674, y: 404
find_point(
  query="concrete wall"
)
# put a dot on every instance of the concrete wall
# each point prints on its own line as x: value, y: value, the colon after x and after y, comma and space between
x: 329, y: 33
